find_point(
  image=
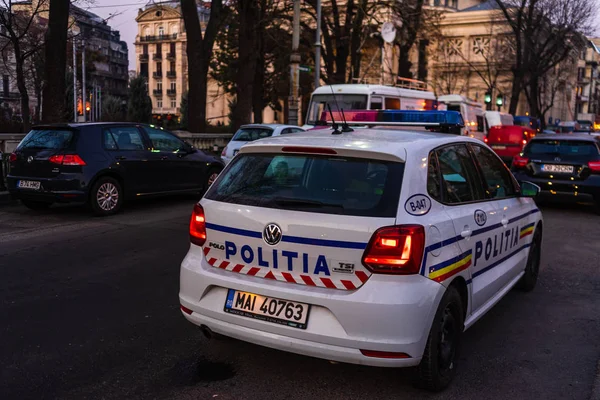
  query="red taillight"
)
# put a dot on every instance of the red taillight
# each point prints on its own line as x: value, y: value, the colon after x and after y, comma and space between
x: 198, y: 226
x: 66, y: 159
x: 395, y: 250
x: 309, y: 150
x: 224, y: 152
x: 12, y: 157
x: 485, y: 139
x: 594, y: 166
x: 520, y: 161
x: 383, y: 354
x: 185, y: 309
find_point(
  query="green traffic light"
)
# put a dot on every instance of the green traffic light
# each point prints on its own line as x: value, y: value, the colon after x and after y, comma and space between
x: 488, y: 98
x: 499, y: 100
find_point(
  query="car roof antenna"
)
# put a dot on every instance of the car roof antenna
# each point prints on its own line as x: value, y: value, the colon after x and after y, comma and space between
x: 334, y: 125
x: 345, y: 127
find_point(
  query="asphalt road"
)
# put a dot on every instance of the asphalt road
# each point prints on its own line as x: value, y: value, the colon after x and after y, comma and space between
x: 89, y: 309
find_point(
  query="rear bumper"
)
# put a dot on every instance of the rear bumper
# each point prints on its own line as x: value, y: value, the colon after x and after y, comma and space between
x: 566, y: 190
x: 65, y: 188
x: 388, y: 313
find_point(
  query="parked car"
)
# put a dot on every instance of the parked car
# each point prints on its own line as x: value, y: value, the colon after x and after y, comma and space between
x: 508, y: 140
x: 250, y: 133
x: 564, y: 166
x: 529, y: 122
x: 102, y: 164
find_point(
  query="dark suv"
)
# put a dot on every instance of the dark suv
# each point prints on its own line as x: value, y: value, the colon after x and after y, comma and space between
x: 102, y: 164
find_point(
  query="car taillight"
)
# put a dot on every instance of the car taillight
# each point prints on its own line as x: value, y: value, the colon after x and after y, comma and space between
x: 594, y: 166
x: 520, y: 161
x: 224, y: 152
x: 485, y: 139
x: 12, y: 157
x: 66, y: 159
x: 395, y: 250
x: 198, y: 226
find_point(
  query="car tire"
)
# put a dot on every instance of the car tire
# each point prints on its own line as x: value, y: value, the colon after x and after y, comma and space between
x: 532, y: 269
x: 438, y: 365
x: 211, y: 175
x: 106, y: 196
x: 36, y: 205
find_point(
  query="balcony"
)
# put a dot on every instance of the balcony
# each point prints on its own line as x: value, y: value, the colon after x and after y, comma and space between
x: 144, y: 57
x: 158, y: 38
x: 171, y: 92
x: 157, y: 75
x: 157, y: 56
x: 171, y: 56
x: 157, y: 92
x: 171, y: 74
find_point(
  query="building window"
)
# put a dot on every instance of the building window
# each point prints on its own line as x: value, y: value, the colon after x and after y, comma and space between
x: 159, y: 103
x: 481, y: 45
x: 145, y: 49
x: 437, y: 3
x: 173, y: 86
x: 158, y: 49
x: 161, y: 31
x: 159, y: 68
x: 159, y: 85
x: 580, y: 74
x: 173, y: 104
x: 144, y: 70
x: 5, y: 86
x: 172, y: 48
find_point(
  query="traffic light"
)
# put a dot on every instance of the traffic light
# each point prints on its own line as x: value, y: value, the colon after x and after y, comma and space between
x: 488, y: 97
x: 499, y: 100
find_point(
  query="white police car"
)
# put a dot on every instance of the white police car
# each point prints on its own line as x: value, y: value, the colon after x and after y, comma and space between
x: 375, y: 247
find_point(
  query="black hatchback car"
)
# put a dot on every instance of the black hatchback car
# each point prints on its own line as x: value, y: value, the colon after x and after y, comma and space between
x: 102, y: 164
x: 565, y: 166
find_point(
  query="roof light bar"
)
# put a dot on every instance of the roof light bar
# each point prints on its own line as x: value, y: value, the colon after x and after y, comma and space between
x: 399, y: 118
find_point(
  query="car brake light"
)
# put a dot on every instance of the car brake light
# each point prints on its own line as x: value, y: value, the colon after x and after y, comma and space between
x: 66, y: 159
x: 12, y: 157
x: 520, y: 161
x: 395, y: 250
x: 310, y: 150
x: 198, y: 226
x: 383, y: 354
x: 485, y: 139
x: 594, y: 166
x: 224, y: 152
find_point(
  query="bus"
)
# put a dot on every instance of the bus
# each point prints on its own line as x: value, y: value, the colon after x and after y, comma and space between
x: 471, y: 111
x: 366, y: 97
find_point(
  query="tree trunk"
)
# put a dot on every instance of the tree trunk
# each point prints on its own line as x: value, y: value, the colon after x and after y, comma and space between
x: 515, y: 92
x: 53, y: 107
x: 258, y: 94
x: 534, y: 97
x: 248, y: 14
x: 21, y: 85
x: 404, y: 64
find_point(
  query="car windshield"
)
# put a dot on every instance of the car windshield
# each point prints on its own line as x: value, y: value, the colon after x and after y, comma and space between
x: 561, y: 147
x: 46, y: 139
x: 251, y: 134
x: 334, y: 185
x: 319, y: 103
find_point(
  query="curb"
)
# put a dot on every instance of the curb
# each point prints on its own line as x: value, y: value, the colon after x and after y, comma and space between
x: 596, y: 385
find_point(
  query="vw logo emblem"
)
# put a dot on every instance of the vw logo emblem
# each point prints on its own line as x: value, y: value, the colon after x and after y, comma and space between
x: 272, y: 234
x: 30, y: 159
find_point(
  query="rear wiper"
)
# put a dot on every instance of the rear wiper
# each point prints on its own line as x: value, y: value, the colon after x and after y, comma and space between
x: 304, y: 202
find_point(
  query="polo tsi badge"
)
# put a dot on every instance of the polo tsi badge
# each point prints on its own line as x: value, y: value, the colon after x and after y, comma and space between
x: 272, y: 234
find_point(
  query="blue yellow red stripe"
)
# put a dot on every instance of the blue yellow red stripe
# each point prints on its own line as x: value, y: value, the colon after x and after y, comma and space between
x: 453, y: 266
x: 526, y: 230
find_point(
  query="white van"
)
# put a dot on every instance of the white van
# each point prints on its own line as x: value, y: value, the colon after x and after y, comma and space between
x: 495, y: 118
x: 365, y: 97
x: 471, y: 111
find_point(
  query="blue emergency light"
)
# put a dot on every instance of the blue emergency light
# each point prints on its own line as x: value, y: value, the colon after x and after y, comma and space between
x: 444, y: 121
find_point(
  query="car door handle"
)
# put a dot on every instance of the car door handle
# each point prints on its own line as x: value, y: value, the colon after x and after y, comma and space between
x: 504, y: 221
x: 466, y: 232
x: 120, y: 158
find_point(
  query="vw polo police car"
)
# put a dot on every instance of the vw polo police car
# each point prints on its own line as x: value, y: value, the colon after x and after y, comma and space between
x: 375, y: 247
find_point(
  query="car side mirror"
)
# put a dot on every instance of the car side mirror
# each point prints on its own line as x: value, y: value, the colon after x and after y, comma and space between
x: 529, y: 189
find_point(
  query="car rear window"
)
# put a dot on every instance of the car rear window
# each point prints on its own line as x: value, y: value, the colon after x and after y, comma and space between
x: 562, y: 147
x: 46, y: 139
x: 251, y: 134
x: 331, y: 185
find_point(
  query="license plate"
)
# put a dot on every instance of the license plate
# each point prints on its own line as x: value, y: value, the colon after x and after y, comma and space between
x: 498, y: 147
x: 35, y: 185
x: 565, y: 169
x: 268, y: 309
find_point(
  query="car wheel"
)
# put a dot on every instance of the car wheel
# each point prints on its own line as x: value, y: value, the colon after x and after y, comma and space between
x: 106, y: 197
x: 438, y: 365
x: 36, y: 205
x: 532, y: 269
x: 211, y: 176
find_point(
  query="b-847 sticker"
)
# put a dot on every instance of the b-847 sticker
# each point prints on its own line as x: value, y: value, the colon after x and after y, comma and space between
x: 418, y: 204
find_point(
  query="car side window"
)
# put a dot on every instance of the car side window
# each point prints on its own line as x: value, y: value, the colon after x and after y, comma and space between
x: 164, y: 141
x: 286, y: 131
x: 434, y: 185
x: 459, y: 175
x: 498, y: 181
x: 122, y: 138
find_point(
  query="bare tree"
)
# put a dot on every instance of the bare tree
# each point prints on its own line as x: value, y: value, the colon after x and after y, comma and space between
x: 450, y: 73
x: 545, y: 32
x: 199, y: 53
x: 21, y: 34
x: 552, y: 84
